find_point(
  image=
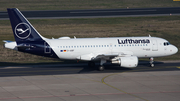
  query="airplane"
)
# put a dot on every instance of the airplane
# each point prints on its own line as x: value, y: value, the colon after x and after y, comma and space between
x: 124, y: 51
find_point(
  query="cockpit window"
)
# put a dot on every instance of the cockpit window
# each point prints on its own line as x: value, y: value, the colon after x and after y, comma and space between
x: 166, y: 43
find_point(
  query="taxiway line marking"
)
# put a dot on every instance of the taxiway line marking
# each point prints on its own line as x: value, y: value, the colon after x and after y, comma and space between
x: 132, y: 94
x: 102, y: 80
x: 178, y: 67
x: 118, y: 88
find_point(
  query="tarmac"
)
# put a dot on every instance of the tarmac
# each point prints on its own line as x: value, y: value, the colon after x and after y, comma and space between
x: 75, y: 82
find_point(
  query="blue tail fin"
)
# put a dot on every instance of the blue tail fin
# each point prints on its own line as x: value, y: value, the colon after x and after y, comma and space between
x: 22, y: 28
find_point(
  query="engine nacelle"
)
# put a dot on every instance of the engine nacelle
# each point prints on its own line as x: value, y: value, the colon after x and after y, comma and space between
x: 128, y: 62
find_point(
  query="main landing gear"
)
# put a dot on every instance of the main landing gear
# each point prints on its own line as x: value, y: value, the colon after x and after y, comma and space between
x: 100, y: 68
x: 151, y: 62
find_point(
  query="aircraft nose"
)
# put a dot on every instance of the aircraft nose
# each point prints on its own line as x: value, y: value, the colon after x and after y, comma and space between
x: 174, y: 49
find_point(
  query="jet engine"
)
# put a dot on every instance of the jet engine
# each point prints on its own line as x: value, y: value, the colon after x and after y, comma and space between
x: 128, y: 62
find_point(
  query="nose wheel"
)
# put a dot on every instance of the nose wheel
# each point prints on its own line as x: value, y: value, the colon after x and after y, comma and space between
x: 152, y: 65
x: 151, y: 62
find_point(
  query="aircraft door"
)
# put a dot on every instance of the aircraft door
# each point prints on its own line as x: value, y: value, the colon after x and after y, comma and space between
x: 154, y: 45
x: 110, y: 47
x: 47, y: 48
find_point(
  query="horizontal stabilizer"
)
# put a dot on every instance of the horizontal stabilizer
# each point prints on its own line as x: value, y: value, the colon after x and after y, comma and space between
x: 23, y: 46
x: 7, y: 41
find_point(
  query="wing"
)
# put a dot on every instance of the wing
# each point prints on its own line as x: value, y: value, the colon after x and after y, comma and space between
x: 7, y: 41
x: 106, y: 56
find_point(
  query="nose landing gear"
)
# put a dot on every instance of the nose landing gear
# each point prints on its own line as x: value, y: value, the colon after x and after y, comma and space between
x: 151, y: 62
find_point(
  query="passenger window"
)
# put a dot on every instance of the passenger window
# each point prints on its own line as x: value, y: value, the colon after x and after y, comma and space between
x: 164, y: 44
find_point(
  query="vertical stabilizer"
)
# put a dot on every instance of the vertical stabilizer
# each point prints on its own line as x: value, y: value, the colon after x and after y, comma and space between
x: 22, y: 28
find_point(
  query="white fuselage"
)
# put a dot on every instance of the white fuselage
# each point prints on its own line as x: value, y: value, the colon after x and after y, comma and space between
x: 91, y: 47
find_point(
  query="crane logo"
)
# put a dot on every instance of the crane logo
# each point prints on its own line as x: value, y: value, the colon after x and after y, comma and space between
x: 22, y: 30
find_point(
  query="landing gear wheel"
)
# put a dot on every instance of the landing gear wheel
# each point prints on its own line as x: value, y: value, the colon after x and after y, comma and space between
x: 91, y: 64
x: 152, y: 65
x: 151, y: 62
x: 101, y: 68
